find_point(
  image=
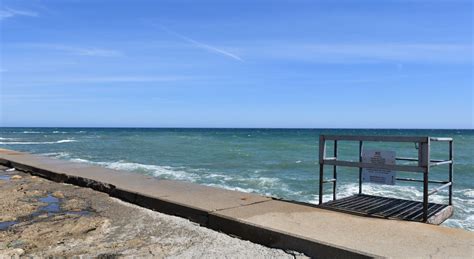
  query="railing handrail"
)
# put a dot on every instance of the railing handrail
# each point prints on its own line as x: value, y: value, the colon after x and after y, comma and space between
x: 377, y: 138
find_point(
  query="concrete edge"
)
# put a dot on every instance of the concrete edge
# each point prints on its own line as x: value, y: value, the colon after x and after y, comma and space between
x: 162, y: 205
x: 60, y: 177
x: 254, y: 233
x: 282, y: 240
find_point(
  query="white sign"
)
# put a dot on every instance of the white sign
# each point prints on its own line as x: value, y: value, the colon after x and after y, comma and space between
x: 378, y: 175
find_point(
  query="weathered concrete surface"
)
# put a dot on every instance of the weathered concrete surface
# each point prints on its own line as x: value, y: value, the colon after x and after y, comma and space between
x: 84, y: 222
x: 304, y: 228
x: 389, y: 238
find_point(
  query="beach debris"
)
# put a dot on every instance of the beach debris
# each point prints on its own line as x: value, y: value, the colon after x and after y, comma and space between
x: 16, y: 243
x: 16, y: 177
x: 74, y: 205
x: 35, y: 193
x: 58, y: 194
x: 13, y: 253
x: 10, y: 170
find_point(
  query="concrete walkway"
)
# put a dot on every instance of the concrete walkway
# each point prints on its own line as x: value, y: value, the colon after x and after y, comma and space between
x: 304, y: 228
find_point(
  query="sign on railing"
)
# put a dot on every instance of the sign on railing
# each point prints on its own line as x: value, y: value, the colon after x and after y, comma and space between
x: 378, y: 175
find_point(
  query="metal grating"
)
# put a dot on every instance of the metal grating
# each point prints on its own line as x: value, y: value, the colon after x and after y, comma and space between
x: 383, y: 207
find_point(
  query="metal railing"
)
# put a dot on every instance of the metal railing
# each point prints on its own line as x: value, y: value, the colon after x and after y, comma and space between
x: 424, y: 163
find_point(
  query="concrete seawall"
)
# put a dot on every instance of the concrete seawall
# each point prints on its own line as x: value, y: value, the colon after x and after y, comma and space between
x: 274, y: 223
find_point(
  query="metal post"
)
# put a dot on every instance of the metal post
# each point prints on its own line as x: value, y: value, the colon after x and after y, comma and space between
x: 321, y: 175
x: 426, y: 162
x: 451, y: 172
x: 360, y: 168
x: 334, y: 173
x: 322, y: 155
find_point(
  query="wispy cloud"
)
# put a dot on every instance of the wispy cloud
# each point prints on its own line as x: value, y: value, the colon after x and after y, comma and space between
x: 121, y: 79
x: 368, y: 53
x: 74, y: 50
x: 203, y: 45
x: 73, y: 97
x: 87, y: 51
x: 95, y: 80
x: 9, y: 13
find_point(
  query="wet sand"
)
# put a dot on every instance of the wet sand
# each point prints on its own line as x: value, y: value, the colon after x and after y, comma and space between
x: 44, y: 218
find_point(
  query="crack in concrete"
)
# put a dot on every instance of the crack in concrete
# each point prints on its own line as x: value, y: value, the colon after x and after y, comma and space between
x: 244, y: 205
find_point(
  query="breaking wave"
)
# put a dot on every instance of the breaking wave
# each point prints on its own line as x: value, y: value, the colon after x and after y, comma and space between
x: 165, y: 172
x: 256, y: 184
x: 37, y: 143
x: 65, y: 141
x: 8, y: 138
x: 57, y: 154
x: 155, y: 170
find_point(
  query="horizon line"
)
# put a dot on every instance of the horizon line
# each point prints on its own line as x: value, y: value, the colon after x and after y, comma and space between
x: 278, y: 128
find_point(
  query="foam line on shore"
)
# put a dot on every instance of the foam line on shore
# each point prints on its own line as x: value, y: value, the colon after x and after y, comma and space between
x: 38, y: 143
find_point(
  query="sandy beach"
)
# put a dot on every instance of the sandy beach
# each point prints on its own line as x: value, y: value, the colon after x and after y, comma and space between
x: 44, y: 218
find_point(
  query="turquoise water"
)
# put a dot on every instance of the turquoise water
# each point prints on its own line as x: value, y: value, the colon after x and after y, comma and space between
x: 275, y: 162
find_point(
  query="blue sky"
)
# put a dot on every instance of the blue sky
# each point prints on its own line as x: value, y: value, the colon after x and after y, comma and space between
x: 350, y: 64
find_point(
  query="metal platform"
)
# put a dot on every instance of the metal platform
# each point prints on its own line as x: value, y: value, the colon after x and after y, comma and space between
x: 391, y: 208
x: 423, y: 211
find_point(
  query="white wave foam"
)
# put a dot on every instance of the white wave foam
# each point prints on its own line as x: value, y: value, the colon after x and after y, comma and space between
x: 398, y: 191
x: 232, y: 188
x: 56, y: 154
x: 8, y: 138
x: 267, y: 181
x: 155, y: 170
x: 158, y: 171
x: 261, y: 185
x: 59, y: 132
x: 469, y: 193
x: 220, y: 177
x: 242, y: 189
x: 29, y: 132
x: 38, y: 143
x: 467, y: 223
x: 79, y: 160
x: 66, y: 141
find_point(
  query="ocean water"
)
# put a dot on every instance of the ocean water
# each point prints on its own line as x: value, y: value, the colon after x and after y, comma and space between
x: 277, y: 162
